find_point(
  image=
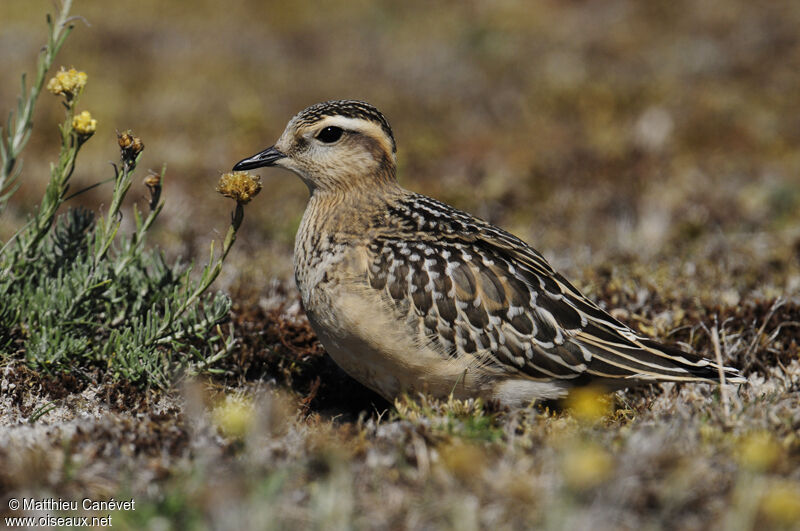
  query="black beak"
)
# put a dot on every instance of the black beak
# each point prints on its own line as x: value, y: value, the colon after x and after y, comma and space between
x: 259, y: 160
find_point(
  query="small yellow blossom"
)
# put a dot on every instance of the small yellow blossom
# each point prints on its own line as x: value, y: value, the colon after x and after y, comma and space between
x: 67, y: 82
x: 781, y: 504
x: 84, y: 124
x: 239, y: 185
x: 586, y: 466
x: 588, y: 404
x: 234, y: 417
x: 758, y: 451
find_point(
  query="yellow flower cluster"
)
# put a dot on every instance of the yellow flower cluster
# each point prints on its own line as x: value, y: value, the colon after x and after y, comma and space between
x: 67, y: 82
x: 239, y: 185
x: 84, y: 124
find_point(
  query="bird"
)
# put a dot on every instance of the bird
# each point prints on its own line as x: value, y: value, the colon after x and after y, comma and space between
x: 409, y: 295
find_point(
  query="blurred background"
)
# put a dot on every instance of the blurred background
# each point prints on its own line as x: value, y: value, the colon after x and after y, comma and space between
x: 662, y: 133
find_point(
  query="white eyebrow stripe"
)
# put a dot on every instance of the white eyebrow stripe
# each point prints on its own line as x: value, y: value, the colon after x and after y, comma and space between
x: 353, y: 124
x: 360, y: 125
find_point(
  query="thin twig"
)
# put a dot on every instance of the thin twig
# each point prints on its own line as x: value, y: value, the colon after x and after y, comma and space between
x: 723, y: 390
x: 780, y: 301
x: 774, y: 334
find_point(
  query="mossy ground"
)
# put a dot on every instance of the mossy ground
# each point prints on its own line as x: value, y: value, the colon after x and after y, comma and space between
x: 648, y: 149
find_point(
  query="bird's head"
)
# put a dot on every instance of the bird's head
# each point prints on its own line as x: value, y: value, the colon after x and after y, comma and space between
x: 336, y: 145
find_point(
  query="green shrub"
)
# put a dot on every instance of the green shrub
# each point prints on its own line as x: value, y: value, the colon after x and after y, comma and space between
x: 75, y: 295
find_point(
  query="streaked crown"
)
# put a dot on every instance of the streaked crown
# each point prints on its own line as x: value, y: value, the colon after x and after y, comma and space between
x: 346, y: 109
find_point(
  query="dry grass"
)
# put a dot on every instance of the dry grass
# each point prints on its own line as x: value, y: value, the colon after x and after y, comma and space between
x: 284, y: 439
x: 649, y: 149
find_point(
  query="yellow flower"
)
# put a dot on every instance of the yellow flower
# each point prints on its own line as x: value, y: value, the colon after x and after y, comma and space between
x: 234, y: 417
x: 67, y: 82
x: 239, y: 185
x: 781, y: 503
x: 84, y: 124
x: 588, y: 404
x: 758, y: 451
x: 586, y: 466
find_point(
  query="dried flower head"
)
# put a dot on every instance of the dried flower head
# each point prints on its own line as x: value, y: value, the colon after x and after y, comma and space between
x: 239, y: 185
x: 84, y: 124
x: 67, y: 82
x: 153, y: 184
x: 153, y: 181
x: 129, y: 145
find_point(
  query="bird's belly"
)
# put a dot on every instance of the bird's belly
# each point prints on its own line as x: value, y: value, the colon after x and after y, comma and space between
x: 374, y: 344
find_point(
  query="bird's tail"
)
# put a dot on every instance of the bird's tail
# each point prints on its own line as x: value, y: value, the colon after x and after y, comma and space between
x: 634, y: 358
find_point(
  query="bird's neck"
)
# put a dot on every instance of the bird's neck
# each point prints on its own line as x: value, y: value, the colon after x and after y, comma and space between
x: 343, y: 215
x: 353, y: 180
x: 349, y: 210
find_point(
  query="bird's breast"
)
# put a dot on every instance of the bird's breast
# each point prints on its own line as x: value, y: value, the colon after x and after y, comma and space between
x: 323, y: 261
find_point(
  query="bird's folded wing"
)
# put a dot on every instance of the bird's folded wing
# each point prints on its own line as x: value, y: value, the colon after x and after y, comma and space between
x: 484, y: 293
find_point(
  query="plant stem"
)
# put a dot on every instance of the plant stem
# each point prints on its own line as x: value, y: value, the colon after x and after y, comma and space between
x: 19, y: 125
x: 210, y: 273
x: 56, y: 188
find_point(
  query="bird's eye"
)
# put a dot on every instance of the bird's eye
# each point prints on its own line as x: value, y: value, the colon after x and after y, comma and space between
x: 330, y: 134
